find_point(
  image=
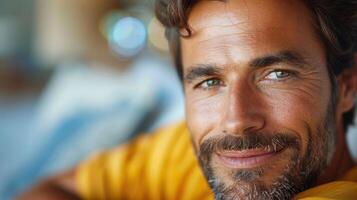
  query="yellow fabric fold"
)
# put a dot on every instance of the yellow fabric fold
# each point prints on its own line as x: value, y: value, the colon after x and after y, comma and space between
x: 344, y: 190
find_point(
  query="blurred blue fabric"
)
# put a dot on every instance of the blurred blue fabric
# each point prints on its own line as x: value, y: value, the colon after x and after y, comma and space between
x: 84, y: 110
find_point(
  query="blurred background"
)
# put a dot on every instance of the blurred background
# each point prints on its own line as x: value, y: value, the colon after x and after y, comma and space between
x: 78, y: 76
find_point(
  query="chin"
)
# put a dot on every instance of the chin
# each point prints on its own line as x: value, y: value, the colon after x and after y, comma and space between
x: 274, y: 176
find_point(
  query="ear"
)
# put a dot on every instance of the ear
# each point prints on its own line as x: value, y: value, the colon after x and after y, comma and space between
x: 347, y: 84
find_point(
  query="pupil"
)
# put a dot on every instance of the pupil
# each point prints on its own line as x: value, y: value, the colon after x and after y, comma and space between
x: 281, y: 74
x: 212, y: 82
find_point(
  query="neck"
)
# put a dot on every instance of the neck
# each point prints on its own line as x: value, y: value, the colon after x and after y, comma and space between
x: 341, y: 162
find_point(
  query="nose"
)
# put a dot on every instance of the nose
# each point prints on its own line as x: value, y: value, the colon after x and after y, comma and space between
x: 243, y: 110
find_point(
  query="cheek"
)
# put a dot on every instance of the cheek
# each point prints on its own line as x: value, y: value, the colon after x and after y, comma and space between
x: 202, y: 115
x: 299, y: 111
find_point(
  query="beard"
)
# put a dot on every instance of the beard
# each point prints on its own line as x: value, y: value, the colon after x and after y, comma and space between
x: 300, y: 172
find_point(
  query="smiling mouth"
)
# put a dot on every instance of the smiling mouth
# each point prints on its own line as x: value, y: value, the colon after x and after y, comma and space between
x: 247, y: 158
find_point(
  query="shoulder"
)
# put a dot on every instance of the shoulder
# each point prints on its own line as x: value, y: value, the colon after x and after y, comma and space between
x: 344, y: 189
x: 159, y: 163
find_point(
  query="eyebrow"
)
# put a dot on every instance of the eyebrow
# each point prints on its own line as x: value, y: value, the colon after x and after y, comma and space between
x: 289, y: 57
x: 202, y: 70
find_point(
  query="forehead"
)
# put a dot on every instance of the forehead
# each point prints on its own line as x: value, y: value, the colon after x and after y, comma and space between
x: 236, y: 31
x: 230, y: 12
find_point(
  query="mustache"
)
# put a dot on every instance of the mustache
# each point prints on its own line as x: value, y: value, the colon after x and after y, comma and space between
x: 267, y: 141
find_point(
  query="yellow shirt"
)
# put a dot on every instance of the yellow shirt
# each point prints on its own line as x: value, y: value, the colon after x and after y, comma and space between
x: 163, y: 166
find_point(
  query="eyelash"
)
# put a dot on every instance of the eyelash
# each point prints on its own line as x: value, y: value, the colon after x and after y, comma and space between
x: 288, y: 72
x: 200, y: 85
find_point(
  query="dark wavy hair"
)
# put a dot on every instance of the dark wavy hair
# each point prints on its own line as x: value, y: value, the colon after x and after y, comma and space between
x: 335, y: 22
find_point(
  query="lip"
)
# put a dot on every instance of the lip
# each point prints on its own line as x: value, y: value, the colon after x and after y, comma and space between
x: 246, y: 158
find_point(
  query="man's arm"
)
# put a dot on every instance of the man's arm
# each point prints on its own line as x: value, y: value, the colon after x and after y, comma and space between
x: 61, y: 186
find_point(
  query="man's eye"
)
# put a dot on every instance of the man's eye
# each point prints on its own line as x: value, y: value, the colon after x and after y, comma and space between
x: 210, y: 83
x: 278, y: 75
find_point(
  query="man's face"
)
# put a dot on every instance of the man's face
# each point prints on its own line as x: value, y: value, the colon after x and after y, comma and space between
x: 258, y: 97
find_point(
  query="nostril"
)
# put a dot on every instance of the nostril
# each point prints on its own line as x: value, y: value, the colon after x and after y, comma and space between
x: 242, y: 125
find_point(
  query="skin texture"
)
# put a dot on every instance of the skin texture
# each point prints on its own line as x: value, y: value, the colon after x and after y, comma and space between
x: 257, y: 68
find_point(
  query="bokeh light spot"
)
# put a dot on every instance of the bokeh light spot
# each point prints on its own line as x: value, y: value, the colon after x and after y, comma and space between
x: 128, y: 36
